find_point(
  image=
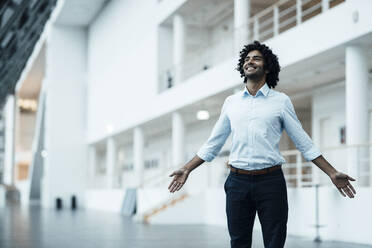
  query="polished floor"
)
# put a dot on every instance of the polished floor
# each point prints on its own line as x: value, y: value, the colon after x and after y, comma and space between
x: 33, y: 227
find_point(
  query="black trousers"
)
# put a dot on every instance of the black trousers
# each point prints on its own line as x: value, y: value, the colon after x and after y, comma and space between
x: 265, y: 194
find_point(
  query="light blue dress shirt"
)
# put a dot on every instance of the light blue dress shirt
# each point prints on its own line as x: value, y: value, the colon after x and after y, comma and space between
x: 256, y: 124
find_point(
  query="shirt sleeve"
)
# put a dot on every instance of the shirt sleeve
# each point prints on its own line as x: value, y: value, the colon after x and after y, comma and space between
x: 217, y: 139
x: 298, y: 135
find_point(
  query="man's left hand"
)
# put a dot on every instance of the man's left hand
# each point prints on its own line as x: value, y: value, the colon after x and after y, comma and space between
x: 341, y: 181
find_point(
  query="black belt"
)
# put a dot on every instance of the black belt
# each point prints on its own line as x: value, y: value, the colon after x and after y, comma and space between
x: 255, y: 172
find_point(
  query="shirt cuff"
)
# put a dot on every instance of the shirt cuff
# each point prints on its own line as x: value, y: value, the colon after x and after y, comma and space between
x: 312, y: 153
x: 205, y: 155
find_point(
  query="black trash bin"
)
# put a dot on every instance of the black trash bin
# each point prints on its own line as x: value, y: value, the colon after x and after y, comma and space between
x: 73, y: 202
x: 59, y: 204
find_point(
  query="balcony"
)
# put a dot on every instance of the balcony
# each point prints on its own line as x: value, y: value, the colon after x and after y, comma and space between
x: 211, y: 37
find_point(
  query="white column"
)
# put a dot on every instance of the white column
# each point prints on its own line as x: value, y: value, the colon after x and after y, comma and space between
x: 179, y: 30
x: 256, y: 29
x: 9, y: 166
x: 356, y: 106
x: 241, y: 23
x: 276, y: 20
x: 110, y: 161
x: 299, y: 12
x: 138, y: 159
x: 178, y: 140
x: 325, y: 5
x: 92, y: 158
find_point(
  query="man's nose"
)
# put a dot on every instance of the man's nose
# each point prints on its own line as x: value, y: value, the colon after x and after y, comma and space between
x: 250, y: 61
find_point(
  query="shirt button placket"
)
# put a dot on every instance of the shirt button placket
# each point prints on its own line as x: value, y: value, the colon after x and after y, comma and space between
x: 253, y: 111
x: 249, y: 121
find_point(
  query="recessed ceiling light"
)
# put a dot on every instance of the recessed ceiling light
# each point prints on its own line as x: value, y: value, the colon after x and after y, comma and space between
x: 109, y: 128
x: 202, y: 115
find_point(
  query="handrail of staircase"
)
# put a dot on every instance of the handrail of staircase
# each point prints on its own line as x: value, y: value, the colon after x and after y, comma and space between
x: 163, y: 206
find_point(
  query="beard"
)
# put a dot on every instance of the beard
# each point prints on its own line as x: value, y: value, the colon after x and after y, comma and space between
x: 257, y: 76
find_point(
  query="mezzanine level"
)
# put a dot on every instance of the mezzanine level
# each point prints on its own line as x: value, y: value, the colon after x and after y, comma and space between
x: 198, y: 40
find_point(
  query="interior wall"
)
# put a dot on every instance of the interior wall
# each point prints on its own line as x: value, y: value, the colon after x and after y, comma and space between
x: 122, y: 63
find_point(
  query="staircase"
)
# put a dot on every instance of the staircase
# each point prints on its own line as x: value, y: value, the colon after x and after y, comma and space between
x: 164, y: 206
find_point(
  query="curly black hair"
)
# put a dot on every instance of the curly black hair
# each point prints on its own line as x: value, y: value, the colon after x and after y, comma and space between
x: 271, y: 62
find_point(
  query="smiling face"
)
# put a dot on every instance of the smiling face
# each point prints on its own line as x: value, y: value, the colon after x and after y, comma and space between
x: 254, y: 66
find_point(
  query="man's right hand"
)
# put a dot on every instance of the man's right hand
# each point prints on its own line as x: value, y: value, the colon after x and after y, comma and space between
x: 180, y: 177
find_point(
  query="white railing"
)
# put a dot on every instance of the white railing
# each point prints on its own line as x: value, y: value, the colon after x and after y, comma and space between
x: 297, y: 172
x: 354, y: 160
x: 270, y: 22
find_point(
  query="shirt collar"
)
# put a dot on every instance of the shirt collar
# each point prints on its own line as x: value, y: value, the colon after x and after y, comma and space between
x: 264, y: 90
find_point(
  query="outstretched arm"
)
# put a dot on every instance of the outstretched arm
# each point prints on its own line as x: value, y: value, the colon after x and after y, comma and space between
x: 303, y: 143
x: 339, y: 179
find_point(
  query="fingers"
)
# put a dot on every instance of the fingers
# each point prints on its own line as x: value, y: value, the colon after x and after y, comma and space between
x: 172, y: 182
x: 350, y: 178
x: 172, y: 186
x: 175, y: 186
x: 342, y: 193
x: 176, y: 173
x: 352, y: 188
x: 179, y: 186
x: 348, y: 191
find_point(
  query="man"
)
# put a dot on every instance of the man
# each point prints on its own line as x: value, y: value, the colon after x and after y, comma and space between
x: 256, y: 118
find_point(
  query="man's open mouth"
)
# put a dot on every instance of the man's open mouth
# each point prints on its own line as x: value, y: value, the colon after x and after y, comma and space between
x: 250, y: 68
